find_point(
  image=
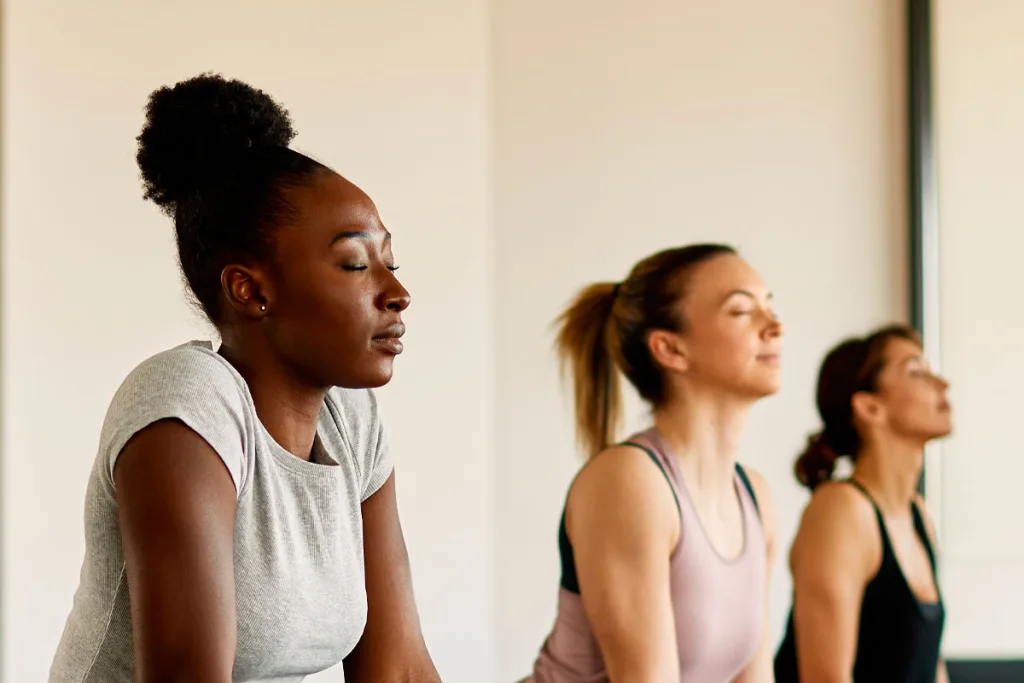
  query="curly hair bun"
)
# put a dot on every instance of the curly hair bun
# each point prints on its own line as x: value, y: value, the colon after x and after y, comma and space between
x: 197, y: 129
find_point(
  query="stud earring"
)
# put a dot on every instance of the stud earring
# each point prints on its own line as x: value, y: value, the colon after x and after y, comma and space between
x: 263, y: 307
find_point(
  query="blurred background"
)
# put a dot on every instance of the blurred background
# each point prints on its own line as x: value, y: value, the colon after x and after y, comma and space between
x: 517, y: 150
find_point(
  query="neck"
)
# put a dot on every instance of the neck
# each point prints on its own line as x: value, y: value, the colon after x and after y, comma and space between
x: 287, y: 408
x: 703, y: 432
x: 890, y: 469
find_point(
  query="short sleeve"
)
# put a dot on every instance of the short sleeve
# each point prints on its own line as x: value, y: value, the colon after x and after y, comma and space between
x: 358, y: 415
x: 189, y: 383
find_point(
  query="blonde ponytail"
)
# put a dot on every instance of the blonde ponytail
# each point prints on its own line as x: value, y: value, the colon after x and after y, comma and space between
x: 587, y: 344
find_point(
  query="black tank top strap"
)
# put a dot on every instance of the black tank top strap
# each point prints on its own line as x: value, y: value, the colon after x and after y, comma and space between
x: 878, y: 511
x: 922, y: 532
x: 860, y: 487
x: 657, y: 461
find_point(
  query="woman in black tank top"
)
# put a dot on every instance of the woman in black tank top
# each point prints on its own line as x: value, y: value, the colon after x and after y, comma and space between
x: 866, y: 602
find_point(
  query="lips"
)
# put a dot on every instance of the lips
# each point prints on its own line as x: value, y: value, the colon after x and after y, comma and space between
x: 388, y: 340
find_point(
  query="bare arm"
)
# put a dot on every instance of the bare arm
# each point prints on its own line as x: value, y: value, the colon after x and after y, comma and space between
x: 623, y: 523
x: 836, y: 552
x: 176, y: 505
x: 761, y: 669
x: 391, y: 649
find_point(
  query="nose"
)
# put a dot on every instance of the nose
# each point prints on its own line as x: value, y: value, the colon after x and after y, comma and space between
x: 774, y: 327
x: 394, y: 296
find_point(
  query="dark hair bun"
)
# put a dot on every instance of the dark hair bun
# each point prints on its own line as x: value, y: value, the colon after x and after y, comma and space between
x: 817, y: 463
x: 197, y: 129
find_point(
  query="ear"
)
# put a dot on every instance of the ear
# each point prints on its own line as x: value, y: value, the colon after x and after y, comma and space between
x: 668, y: 350
x: 247, y: 290
x: 867, y: 408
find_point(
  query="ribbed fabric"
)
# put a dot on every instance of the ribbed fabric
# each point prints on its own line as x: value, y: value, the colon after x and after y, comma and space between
x: 298, y: 546
x: 718, y: 603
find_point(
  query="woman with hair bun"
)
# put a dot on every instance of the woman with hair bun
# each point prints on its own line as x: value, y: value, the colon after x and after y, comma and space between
x: 240, y: 519
x: 866, y: 601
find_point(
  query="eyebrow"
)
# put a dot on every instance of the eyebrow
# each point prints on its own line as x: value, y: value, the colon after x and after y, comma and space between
x: 357, y: 235
x: 746, y: 293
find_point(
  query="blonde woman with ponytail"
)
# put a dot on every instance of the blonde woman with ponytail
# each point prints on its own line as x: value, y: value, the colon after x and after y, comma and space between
x: 866, y: 604
x: 666, y: 542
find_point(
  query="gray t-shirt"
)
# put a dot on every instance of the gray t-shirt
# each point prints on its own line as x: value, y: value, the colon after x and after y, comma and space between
x: 298, y: 546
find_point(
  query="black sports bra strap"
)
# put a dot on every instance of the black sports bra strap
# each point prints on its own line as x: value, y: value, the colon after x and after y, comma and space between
x: 860, y: 487
x: 750, y: 487
x: 878, y: 511
x: 922, y: 532
x: 661, y: 467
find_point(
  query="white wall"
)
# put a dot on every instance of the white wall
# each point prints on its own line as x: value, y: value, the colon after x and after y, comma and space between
x: 611, y: 132
x: 622, y: 128
x: 395, y: 95
x: 979, y: 107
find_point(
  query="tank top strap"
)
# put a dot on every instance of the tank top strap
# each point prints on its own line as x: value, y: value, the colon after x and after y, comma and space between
x: 745, y: 480
x: 878, y: 511
x: 922, y: 532
x: 648, y: 445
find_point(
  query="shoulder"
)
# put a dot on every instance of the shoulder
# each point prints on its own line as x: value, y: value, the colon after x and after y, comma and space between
x: 190, y: 383
x: 353, y: 428
x: 838, y: 527
x: 622, y: 487
x: 355, y: 413
x: 619, y: 470
x: 190, y: 368
x: 839, y: 505
x: 354, y: 403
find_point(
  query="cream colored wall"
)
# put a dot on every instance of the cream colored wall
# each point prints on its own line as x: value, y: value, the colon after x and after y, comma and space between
x: 610, y: 133
x: 395, y: 95
x: 979, y: 81
x: 624, y: 128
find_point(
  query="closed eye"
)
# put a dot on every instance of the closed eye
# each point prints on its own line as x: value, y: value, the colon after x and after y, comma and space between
x: 361, y: 268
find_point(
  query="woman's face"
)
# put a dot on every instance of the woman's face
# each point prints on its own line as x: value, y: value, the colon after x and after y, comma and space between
x: 336, y: 310
x: 732, y: 338
x: 912, y: 399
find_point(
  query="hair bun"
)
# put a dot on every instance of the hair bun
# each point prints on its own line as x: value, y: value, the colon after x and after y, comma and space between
x: 818, y: 461
x: 195, y: 130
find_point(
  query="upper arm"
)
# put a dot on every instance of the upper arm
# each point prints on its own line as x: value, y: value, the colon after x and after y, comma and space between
x: 836, y: 552
x: 623, y: 523
x: 391, y: 647
x: 176, y: 507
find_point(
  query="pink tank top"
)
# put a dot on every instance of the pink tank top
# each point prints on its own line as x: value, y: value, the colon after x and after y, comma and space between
x: 718, y: 603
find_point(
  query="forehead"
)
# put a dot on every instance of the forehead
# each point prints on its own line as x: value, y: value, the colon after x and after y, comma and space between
x: 720, y: 275
x: 331, y: 204
x: 898, y: 351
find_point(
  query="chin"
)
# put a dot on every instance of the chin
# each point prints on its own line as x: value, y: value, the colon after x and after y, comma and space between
x: 372, y: 375
x: 767, y: 388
